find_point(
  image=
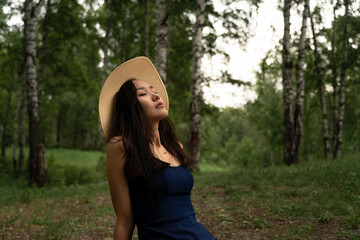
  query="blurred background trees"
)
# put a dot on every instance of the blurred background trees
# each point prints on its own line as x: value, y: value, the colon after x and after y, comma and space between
x: 80, y: 43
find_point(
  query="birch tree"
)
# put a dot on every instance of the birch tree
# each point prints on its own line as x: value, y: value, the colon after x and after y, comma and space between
x: 293, y: 121
x: 44, y: 50
x: 161, y: 37
x: 343, y: 68
x: 300, y: 88
x: 334, y: 77
x: 287, y: 88
x: 37, y: 161
x: 321, y: 89
x: 196, y: 91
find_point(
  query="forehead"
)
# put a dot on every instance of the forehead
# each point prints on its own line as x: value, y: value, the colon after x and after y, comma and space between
x: 141, y: 84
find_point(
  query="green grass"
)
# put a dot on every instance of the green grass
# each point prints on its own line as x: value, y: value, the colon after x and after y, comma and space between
x: 74, y: 157
x: 297, y: 202
x: 312, y: 200
x: 62, y: 157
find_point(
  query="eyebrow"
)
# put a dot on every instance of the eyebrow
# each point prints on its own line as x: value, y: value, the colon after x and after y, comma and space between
x: 143, y: 88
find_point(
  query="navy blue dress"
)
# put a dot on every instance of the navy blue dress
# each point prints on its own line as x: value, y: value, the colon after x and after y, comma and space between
x: 175, y: 217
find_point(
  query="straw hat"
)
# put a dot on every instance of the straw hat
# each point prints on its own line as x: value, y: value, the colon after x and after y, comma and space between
x: 139, y: 68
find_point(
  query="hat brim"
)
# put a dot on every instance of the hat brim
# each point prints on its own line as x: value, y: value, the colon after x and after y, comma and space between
x: 140, y: 68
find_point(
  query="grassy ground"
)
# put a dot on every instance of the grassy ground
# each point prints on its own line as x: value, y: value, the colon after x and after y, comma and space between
x: 313, y: 200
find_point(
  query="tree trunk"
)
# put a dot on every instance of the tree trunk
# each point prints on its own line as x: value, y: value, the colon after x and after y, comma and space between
x: 147, y: 28
x: 196, y: 91
x: 287, y: 89
x: 340, y: 120
x: 334, y: 80
x: 321, y: 87
x: 37, y: 151
x: 44, y: 50
x: 161, y: 37
x: 300, y: 87
x: 3, y: 137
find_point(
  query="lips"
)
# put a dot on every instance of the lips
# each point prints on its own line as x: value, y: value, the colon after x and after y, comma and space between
x: 160, y: 104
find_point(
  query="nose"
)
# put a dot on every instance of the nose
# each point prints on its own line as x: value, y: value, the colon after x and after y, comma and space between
x: 155, y: 96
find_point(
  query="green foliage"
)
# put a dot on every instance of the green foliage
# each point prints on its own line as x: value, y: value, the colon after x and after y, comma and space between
x: 250, y: 137
x: 71, y: 75
x: 68, y: 167
x: 241, y: 153
x: 55, y: 176
x: 76, y: 175
x: 179, y: 78
x: 101, y: 166
x: 75, y: 167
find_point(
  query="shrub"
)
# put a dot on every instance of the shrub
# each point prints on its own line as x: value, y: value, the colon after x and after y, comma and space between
x: 77, y: 175
x: 101, y: 166
x: 55, y: 174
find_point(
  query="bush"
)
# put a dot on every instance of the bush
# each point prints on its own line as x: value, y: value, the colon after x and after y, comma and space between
x: 55, y: 174
x: 240, y: 153
x: 77, y: 175
x: 101, y: 166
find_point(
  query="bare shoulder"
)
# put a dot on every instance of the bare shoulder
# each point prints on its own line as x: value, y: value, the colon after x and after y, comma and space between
x: 115, y: 151
x: 115, y: 143
x: 181, y: 145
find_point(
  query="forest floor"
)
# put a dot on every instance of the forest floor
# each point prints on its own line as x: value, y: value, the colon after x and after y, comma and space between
x: 313, y: 200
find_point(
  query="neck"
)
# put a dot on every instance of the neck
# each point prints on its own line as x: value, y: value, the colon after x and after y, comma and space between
x: 155, y: 128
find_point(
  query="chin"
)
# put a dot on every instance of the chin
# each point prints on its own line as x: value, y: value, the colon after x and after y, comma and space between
x: 161, y: 116
x: 165, y: 115
x: 158, y: 115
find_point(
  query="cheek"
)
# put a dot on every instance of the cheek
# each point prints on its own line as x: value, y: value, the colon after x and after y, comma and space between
x: 145, y: 106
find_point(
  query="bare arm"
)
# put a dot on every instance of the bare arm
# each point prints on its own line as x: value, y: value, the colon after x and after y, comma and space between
x: 119, y: 190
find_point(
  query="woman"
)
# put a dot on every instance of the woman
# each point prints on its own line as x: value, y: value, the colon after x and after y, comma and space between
x: 148, y: 175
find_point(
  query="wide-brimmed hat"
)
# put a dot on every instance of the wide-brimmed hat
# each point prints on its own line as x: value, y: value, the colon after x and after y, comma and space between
x: 140, y: 68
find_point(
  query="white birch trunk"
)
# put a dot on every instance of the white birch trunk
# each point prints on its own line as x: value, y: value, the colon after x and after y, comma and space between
x: 196, y: 91
x: 161, y: 37
x: 31, y: 20
x: 287, y: 88
x: 43, y: 53
x: 340, y: 122
x: 334, y: 81
x: 300, y: 88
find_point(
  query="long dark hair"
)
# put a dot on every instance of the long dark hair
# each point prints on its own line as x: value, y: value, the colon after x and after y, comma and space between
x: 130, y: 122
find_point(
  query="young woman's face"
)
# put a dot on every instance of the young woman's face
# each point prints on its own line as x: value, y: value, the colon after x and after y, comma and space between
x: 150, y: 101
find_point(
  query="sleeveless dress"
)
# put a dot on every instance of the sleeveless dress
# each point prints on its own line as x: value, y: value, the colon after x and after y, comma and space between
x: 175, y: 216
